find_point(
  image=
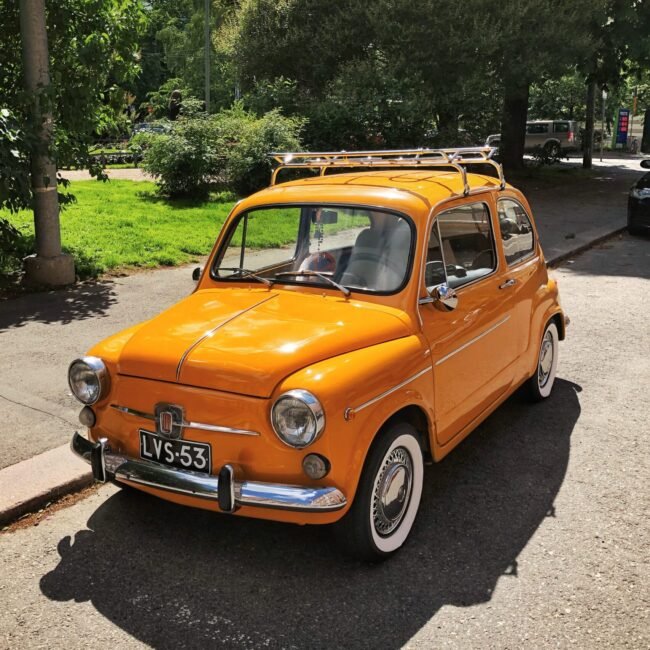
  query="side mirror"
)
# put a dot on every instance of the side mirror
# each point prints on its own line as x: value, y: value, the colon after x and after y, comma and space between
x: 645, y: 164
x: 444, y: 297
x: 196, y: 274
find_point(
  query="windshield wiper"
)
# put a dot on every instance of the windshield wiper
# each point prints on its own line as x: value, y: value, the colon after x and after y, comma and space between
x: 346, y: 292
x: 247, y: 274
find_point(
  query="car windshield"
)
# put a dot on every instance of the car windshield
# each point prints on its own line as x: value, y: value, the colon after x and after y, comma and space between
x: 355, y: 248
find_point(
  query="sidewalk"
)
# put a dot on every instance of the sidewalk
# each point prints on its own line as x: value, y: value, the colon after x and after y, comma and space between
x: 41, y: 333
x: 129, y: 174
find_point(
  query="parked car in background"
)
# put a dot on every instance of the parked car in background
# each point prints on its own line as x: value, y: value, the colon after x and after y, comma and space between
x: 553, y: 136
x: 638, y: 204
x: 156, y: 128
x: 308, y: 382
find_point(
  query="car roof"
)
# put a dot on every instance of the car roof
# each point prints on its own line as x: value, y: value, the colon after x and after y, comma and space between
x: 412, y: 191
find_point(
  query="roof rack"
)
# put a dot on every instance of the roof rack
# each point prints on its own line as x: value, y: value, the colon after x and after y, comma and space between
x: 456, y: 158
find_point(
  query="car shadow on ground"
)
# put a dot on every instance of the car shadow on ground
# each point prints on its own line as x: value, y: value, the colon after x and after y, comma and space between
x: 175, y: 577
x: 79, y: 302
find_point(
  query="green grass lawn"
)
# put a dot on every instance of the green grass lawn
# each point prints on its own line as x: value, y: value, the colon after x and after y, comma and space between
x: 121, y: 224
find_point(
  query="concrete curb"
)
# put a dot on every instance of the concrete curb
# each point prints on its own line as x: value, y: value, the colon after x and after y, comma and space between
x: 32, y: 484
x: 581, y: 248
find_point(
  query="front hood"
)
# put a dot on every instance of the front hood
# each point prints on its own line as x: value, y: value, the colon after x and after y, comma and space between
x: 247, y: 341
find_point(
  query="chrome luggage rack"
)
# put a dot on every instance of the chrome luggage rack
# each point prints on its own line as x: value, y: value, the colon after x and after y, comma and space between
x: 397, y: 158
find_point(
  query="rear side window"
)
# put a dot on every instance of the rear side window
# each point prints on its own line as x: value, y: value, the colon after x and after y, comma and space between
x: 517, y: 234
x: 561, y: 127
x: 461, y: 246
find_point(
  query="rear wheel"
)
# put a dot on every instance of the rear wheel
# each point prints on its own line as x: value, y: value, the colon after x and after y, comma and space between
x: 387, y: 498
x: 541, y: 383
x: 553, y: 149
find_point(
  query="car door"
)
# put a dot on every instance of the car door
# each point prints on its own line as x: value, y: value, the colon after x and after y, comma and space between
x: 522, y: 276
x: 472, y: 349
x: 537, y: 133
x: 561, y: 132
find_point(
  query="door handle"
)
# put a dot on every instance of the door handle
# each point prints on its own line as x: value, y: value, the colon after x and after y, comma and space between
x: 508, y: 283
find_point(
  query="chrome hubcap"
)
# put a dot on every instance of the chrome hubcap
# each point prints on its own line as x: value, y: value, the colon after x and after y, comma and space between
x: 392, y: 491
x: 545, y: 360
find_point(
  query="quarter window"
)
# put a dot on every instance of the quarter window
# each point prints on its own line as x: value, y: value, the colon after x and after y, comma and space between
x: 461, y: 246
x: 561, y: 127
x: 516, y: 231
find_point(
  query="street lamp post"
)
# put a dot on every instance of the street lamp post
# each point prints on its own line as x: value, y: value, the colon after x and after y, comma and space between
x: 206, y: 54
x: 602, y: 134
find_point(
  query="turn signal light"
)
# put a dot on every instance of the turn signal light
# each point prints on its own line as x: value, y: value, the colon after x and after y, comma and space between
x: 316, y: 466
x: 87, y: 417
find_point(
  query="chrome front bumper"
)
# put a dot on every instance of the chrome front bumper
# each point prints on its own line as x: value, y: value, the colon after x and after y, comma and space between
x: 224, y: 488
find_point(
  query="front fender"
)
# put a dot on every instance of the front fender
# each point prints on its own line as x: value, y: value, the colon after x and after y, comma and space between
x: 359, y: 392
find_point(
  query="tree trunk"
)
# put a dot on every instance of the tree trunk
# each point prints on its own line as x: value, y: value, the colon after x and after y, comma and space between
x: 588, y: 138
x: 513, y: 124
x: 49, y: 266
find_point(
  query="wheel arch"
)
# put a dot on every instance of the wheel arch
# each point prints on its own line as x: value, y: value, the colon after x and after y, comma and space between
x: 414, y: 415
x: 558, y: 319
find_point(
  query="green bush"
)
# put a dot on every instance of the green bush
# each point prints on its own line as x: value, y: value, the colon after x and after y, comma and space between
x: 184, y: 161
x: 248, y: 166
x: 229, y: 150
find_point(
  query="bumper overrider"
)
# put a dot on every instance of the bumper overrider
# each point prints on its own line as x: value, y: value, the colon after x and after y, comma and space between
x: 224, y: 489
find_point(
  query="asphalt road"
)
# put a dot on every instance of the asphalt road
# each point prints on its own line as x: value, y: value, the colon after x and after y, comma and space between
x: 41, y: 333
x: 533, y: 533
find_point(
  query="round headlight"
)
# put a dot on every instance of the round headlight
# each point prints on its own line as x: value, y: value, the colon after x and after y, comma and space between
x: 88, y: 379
x: 297, y: 418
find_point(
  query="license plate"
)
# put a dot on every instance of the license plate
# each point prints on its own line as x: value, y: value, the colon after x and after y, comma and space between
x: 175, y: 453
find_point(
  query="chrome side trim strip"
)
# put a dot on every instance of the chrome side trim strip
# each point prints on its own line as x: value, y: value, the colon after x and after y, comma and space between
x: 138, y: 414
x: 472, y: 341
x: 246, y: 493
x: 218, y: 429
x: 187, y: 425
x: 211, y: 333
x: 351, y: 411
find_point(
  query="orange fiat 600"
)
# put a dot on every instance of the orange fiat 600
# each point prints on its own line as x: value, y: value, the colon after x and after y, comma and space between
x: 309, y: 381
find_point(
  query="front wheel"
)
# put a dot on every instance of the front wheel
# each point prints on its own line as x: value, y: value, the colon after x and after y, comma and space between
x: 541, y: 383
x: 387, y: 498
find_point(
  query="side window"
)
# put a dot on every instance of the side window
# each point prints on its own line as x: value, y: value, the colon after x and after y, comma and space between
x: 561, y: 127
x: 535, y: 129
x: 461, y: 246
x: 516, y: 231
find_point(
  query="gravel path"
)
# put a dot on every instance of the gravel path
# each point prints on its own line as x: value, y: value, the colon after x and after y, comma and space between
x: 134, y: 174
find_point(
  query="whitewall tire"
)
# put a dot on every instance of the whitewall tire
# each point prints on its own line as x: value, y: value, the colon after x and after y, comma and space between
x: 388, y: 496
x: 541, y: 383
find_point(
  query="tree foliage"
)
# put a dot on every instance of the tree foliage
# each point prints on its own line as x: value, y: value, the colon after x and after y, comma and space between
x: 92, y: 46
x: 369, y: 73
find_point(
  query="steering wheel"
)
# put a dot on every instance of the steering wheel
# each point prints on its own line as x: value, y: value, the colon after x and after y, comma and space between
x: 451, y: 269
x: 486, y: 255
